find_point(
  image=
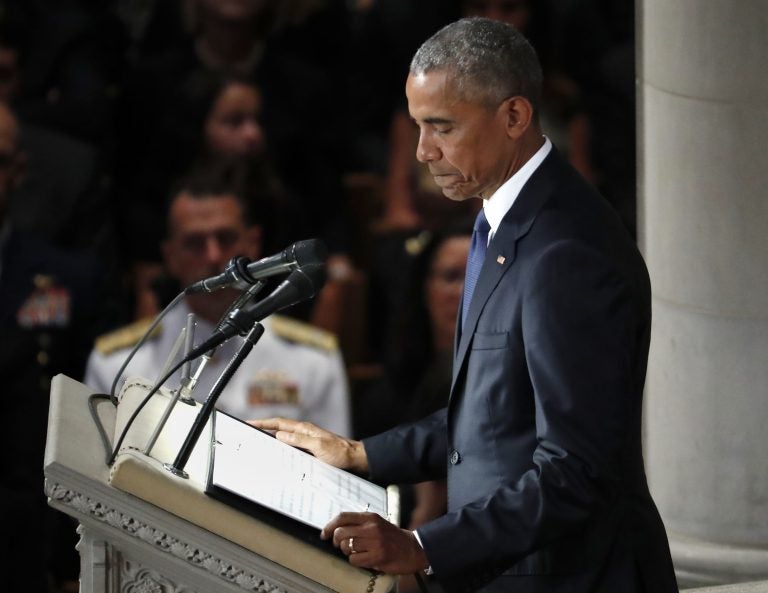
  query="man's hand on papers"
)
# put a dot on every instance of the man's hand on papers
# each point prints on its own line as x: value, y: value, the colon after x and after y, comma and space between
x: 327, y: 446
x: 373, y: 542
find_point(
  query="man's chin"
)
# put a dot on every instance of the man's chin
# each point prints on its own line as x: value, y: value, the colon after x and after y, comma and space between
x: 454, y: 194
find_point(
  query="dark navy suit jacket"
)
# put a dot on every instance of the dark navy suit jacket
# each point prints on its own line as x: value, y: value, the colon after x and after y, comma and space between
x: 51, y: 309
x: 541, y: 439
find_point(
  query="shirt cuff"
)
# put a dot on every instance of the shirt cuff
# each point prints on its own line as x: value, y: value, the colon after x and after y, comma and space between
x: 428, y: 570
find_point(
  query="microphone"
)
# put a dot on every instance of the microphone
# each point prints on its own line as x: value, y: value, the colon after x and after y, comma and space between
x: 241, y: 272
x: 301, y: 284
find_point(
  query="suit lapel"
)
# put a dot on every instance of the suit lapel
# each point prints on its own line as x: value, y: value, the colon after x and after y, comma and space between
x: 502, y: 251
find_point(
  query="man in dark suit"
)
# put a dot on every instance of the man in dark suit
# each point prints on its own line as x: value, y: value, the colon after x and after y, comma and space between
x: 51, y: 308
x: 541, y: 439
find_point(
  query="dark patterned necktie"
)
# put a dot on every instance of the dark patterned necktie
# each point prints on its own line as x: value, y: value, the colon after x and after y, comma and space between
x: 477, y: 250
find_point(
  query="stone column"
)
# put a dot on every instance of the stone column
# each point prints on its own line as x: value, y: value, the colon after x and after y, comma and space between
x: 703, y: 220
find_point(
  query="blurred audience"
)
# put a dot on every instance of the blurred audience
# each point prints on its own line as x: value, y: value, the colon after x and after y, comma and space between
x: 383, y: 36
x: 72, y: 59
x: 417, y: 349
x: 609, y: 105
x: 217, y: 118
x: 295, y: 52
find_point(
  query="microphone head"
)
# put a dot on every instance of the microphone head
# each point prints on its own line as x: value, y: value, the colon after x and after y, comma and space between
x: 310, y: 277
x: 309, y: 251
x: 301, y: 284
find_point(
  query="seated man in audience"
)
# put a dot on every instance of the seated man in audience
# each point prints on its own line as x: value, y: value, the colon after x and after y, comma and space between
x: 52, y: 304
x: 294, y: 370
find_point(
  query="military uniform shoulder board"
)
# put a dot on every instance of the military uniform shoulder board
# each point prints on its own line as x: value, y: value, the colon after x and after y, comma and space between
x: 300, y: 332
x: 125, y: 337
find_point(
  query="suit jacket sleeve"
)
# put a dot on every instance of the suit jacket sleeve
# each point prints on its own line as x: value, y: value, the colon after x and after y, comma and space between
x: 579, y: 336
x: 409, y: 453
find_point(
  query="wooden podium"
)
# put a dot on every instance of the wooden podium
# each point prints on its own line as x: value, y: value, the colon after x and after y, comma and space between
x: 144, y: 530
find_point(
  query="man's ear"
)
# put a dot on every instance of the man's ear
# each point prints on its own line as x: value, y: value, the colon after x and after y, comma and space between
x: 253, y: 242
x: 518, y: 112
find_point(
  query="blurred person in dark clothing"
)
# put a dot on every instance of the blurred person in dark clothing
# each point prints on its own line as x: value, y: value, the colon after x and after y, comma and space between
x: 62, y: 198
x: 609, y: 105
x: 418, y: 347
x: 51, y: 308
x: 383, y: 37
x: 72, y: 58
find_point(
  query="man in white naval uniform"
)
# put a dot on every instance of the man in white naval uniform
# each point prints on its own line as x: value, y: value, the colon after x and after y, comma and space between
x: 295, y: 370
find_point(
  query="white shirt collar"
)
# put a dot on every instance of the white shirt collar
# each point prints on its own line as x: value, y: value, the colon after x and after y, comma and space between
x: 501, y: 201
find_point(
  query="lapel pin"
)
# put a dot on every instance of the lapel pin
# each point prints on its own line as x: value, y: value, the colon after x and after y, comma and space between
x: 501, y: 259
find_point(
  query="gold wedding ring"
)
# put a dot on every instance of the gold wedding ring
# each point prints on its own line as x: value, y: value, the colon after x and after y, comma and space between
x: 352, y: 545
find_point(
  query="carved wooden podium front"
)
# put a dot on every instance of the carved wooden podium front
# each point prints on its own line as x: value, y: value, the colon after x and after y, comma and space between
x: 143, y: 530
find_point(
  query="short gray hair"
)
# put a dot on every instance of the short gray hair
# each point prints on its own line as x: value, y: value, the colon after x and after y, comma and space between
x: 488, y: 60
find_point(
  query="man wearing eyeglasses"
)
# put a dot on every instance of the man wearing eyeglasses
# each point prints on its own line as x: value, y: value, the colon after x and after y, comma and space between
x: 295, y: 369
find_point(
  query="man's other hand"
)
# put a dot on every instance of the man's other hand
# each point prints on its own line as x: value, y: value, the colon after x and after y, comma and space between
x: 373, y: 542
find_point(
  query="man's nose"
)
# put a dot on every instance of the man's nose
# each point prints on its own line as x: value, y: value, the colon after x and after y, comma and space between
x: 213, y: 251
x: 251, y: 129
x: 426, y: 150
